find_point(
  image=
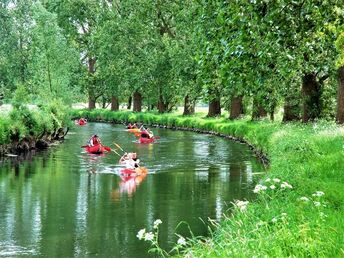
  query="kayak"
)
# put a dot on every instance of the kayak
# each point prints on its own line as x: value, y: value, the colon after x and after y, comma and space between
x: 145, y: 137
x: 97, y: 149
x: 137, y: 171
x: 133, y: 130
x: 80, y: 122
x: 127, y: 171
x: 146, y: 140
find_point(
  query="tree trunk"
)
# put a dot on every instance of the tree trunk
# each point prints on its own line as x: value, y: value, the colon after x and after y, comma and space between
x: 237, y: 107
x: 340, y: 97
x: 137, y: 105
x: 91, y: 100
x: 114, y: 103
x: 129, y: 102
x: 104, y: 102
x: 291, y: 109
x: 214, y: 108
x: 189, y: 106
x: 258, y: 110
x: 311, y: 98
x: 161, y: 105
x: 91, y: 94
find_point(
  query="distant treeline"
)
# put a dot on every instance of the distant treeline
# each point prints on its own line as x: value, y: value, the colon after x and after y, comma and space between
x: 247, y: 57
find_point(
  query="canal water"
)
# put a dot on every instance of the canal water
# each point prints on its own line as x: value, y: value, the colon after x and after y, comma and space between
x: 64, y: 202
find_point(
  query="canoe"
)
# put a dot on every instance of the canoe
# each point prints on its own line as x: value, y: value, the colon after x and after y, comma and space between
x: 137, y: 171
x: 97, y: 149
x: 133, y: 130
x: 145, y: 137
x: 127, y: 171
x: 80, y: 122
x: 146, y: 140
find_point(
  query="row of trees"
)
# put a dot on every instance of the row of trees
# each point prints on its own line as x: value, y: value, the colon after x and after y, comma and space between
x: 154, y: 53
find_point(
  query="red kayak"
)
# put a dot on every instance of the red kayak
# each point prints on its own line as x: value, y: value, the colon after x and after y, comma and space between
x: 146, y: 138
x: 97, y: 149
x: 81, y: 122
x: 127, y: 171
x: 138, y: 171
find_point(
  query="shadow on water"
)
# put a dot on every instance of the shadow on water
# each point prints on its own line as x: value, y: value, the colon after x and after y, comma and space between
x: 65, y: 202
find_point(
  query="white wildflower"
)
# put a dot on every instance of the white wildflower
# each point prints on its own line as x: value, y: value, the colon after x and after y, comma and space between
x: 286, y: 185
x: 318, y: 194
x: 317, y: 204
x: 149, y: 236
x: 141, y: 233
x: 181, y: 241
x: 304, y: 198
x: 157, y: 223
x: 267, y: 180
x: 272, y: 187
x: 274, y: 220
x: 276, y: 180
x: 242, y: 205
x: 259, y: 188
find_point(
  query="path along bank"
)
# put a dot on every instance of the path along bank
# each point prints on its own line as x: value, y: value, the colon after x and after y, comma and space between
x: 299, y: 207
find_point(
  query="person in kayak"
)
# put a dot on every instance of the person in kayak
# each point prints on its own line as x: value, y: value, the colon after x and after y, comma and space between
x: 130, y: 160
x: 94, y: 140
x: 147, y: 133
x: 131, y: 126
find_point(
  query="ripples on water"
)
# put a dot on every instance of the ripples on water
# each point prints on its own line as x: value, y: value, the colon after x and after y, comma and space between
x: 65, y: 202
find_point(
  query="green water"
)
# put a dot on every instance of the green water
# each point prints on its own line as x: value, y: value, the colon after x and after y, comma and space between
x: 63, y: 202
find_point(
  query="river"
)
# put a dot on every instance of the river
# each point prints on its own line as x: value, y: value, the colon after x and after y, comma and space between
x: 64, y: 202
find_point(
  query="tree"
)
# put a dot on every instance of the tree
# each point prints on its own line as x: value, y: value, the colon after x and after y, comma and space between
x: 53, y: 61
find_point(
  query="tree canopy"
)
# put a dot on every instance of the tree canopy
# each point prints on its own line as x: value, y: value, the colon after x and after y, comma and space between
x: 247, y: 57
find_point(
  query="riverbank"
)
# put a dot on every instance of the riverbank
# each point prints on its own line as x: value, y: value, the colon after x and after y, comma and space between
x: 26, y: 127
x: 299, y: 206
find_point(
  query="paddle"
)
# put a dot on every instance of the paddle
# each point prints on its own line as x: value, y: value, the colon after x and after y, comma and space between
x: 118, y: 146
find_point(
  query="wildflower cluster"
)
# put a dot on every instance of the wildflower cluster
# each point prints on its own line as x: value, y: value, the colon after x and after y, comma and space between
x: 272, y: 185
x: 152, y: 237
x: 316, y: 198
x: 147, y: 236
x: 241, y: 205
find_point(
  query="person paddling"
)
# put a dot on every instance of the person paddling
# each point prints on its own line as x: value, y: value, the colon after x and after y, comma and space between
x: 130, y: 160
x: 94, y: 140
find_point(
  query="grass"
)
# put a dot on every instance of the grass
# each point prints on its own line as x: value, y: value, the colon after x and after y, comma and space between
x: 282, y: 222
x: 23, y: 121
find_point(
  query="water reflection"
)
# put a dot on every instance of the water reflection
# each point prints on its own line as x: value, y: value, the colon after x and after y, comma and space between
x: 129, y: 183
x: 67, y: 202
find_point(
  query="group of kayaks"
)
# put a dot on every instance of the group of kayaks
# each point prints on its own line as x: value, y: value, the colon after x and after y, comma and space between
x: 143, y: 135
x: 96, y: 147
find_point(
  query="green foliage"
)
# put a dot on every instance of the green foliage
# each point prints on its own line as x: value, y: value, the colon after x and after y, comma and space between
x: 21, y: 96
x: 25, y: 121
x: 290, y: 218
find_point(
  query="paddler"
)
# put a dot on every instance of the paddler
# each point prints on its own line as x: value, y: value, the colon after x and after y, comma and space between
x: 130, y: 160
x: 94, y: 140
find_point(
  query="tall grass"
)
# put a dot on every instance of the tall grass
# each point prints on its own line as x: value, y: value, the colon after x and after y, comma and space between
x: 299, y: 210
x: 22, y: 122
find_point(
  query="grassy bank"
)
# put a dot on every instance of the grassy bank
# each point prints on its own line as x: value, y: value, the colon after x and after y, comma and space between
x: 31, y: 121
x: 299, y: 208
